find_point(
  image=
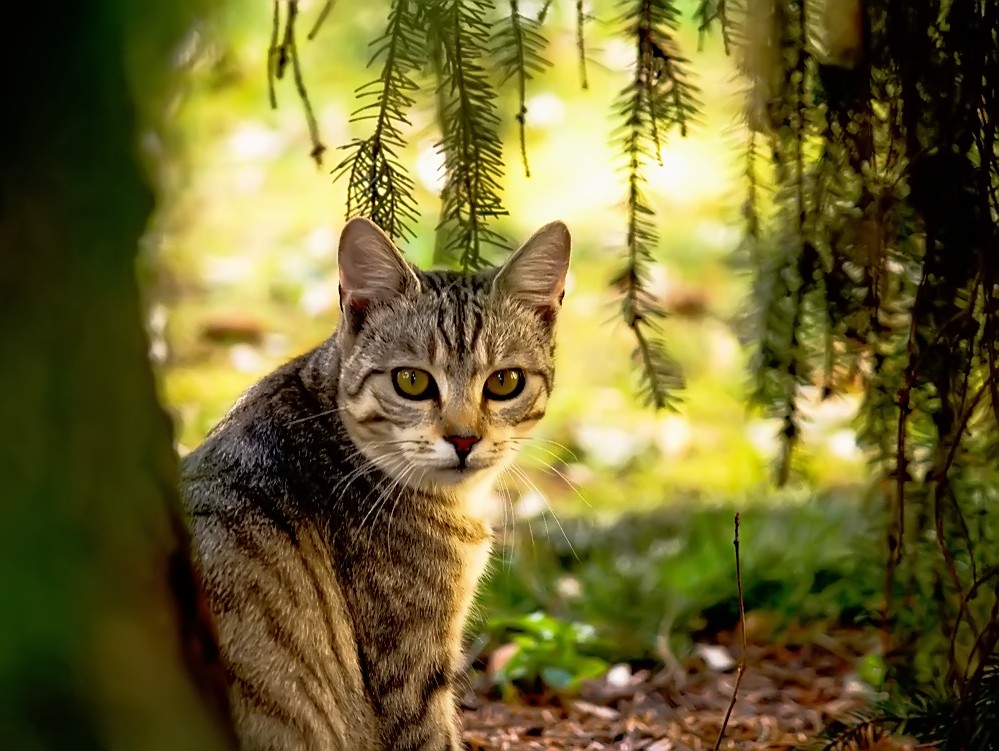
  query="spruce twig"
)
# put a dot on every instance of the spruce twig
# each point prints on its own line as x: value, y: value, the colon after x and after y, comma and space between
x: 658, y: 97
x: 518, y: 46
x: 470, y: 141
x: 378, y: 185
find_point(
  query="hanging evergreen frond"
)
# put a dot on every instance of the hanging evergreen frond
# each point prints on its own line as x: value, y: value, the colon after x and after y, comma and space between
x: 659, y: 97
x: 460, y: 32
x: 518, y: 47
x: 378, y: 185
x: 707, y: 14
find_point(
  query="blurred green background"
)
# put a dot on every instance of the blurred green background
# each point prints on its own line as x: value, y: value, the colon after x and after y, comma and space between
x: 621, y: 518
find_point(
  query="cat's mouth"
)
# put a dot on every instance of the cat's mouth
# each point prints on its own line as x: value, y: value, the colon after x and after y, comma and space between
x: 460, y: 472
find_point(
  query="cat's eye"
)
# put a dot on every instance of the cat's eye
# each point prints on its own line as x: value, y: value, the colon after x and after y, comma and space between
x: 413, y: 383
x: 504, y: 384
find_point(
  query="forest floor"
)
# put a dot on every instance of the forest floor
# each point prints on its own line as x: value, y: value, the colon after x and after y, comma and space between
x: 788, y: 695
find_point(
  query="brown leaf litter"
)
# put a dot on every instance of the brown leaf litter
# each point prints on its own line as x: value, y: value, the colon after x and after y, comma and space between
x: 789, y: 693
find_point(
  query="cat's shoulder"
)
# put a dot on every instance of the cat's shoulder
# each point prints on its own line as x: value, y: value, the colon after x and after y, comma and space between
x: 254, y: 440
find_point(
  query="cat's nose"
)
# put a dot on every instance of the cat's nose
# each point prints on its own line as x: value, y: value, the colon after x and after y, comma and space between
x: 462, y: 444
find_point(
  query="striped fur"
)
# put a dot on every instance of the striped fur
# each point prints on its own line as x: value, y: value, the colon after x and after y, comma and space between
x: 339, y: 540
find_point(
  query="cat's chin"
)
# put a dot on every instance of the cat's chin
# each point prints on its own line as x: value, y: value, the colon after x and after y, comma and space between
x: 455, y: 480
x: 450, y: 477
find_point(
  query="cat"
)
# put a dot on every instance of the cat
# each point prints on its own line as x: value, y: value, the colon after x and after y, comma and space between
x: 340, y: 512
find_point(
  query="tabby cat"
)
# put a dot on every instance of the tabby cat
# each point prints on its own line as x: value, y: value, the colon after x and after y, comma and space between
x: 341, y: 511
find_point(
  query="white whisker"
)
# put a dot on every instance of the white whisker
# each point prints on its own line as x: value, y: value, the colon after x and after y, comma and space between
x: 316, y: 416
x: 554, y: 515
x: 570, y: 483
x: 536, y: 439
x: 517, y: 475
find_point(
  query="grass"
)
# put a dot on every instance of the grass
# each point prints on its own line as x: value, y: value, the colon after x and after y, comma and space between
x: 647, y: 581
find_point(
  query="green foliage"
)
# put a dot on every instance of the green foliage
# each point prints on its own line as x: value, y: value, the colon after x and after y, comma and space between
x: 471, y: 49
x: 658, y: 97
x: 518, y: 47
x: 378, y: 185
x: 460, y: 32
x: 648, y: 581
x: 943, y: 719
x: 547, y: 651
x: 875, y: 265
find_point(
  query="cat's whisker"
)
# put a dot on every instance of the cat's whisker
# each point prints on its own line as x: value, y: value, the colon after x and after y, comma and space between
x: 419, y: 480
x: 347, y: 480
x: 554, y: 514
x: 363, y: 470
x: 316, y: 416
x: 407, y: 472
x: 382, y: 491
x: 536, y: 439
x: 509, y: 526
x: 529, y: 483
x: 566, y: 480
x: 514, y: 473
x: 508, y: 553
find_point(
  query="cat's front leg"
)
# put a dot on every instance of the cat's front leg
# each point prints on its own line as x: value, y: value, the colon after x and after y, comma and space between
x: 417, y: 706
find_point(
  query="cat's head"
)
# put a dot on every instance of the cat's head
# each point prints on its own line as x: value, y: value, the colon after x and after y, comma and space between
x: 443, y: 375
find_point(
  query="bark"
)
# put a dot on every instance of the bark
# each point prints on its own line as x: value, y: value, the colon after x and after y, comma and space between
x: 103, y: 639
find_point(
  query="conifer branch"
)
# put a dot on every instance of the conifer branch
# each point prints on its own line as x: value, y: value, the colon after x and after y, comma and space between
x: 518, y: 45
x: 708, y: 13
x: 657, y: 98
x: 320, y: 19
x: 470, y: 142
x: 378, y: 186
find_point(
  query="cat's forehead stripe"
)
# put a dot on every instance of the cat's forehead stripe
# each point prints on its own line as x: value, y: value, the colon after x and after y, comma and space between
x: 459, y: 314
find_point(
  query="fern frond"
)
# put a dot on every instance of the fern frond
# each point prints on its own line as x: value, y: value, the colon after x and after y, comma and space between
x: 378, y: 186
x: 518, y: 46
x: 470, y: 141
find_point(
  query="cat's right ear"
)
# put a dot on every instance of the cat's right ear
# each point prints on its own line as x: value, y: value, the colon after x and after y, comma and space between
x: 372, y: 270
x: 535, y: 274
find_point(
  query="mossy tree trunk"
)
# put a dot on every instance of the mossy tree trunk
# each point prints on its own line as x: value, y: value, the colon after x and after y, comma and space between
x: 103, y: 643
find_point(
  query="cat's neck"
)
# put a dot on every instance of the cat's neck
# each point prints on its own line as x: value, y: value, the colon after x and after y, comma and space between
x: 477, y: 500
x: 320, y: 372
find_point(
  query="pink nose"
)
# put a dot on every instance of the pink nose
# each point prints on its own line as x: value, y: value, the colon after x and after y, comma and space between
x: 462, y: 443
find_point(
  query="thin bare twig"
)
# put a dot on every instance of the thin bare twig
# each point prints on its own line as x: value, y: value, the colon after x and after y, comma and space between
x: 742, y: 624
x: 581, y: 42
x: 272, y: 55
x: 323, y: 13
x: 279, y: 54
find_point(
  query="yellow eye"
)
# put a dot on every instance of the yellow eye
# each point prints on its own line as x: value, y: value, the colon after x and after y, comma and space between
x: 413, y: 383
x: 504, y: 384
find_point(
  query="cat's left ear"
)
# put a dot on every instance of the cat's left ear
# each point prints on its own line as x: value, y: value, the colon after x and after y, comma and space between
x: 535, y: 274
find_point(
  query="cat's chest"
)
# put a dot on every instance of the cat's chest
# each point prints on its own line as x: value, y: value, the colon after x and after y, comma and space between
x: 476, y: 560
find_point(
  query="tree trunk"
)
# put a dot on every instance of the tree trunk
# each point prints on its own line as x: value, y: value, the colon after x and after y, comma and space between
x: 103, y: 641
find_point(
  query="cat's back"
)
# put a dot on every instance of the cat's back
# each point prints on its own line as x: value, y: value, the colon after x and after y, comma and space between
x: 262, y: 554
x: 254, y: 442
